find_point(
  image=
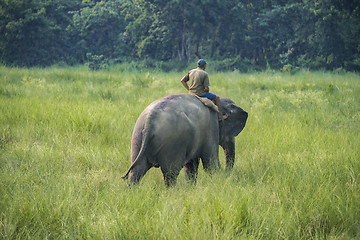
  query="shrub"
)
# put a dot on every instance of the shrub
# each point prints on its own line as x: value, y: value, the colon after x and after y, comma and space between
x: 290, y: 69
x: 97, y: 62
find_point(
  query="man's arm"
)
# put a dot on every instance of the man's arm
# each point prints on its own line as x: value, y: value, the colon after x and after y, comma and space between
x: 184, y: 84
x: 184, y: 80
x: 206, y: 83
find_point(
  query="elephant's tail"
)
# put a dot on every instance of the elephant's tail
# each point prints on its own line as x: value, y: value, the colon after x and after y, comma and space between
x: 127, y: 173
x: 144, y: 142
x: 140, y: 154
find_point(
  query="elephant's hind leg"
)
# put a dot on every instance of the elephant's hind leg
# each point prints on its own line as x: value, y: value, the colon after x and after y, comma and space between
x: 191, y: 170
x: 170, y: 175
x: 139, y: 171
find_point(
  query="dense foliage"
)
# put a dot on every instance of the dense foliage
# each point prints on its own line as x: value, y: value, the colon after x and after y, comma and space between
x: 278, y: 34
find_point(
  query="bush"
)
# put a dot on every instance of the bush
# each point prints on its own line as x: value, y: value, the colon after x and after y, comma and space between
x: 97, y: 62
x: 353, y: 65
x: 290, y: 69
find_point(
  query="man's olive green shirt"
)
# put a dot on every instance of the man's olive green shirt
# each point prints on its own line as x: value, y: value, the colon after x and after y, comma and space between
x: 197, y: 79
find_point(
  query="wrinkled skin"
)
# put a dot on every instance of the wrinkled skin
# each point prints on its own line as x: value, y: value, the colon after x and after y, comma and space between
x: 177, y: 131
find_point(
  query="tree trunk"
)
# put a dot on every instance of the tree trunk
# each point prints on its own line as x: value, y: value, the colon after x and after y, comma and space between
x: 197, y: 51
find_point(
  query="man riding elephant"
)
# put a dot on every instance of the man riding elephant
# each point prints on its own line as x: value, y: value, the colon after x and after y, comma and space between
x: 197, y: 83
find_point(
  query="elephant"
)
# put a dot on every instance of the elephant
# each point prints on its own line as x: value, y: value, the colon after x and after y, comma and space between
x: 177, y: 131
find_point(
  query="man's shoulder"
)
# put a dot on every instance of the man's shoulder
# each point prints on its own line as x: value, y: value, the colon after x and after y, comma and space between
x: 193, y: 70
x: 199, y: 70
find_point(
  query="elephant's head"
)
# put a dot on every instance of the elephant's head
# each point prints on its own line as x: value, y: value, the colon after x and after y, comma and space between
x: 230, y: 128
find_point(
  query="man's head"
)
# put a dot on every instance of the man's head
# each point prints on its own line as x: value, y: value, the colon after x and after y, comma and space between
x: 202, y: 63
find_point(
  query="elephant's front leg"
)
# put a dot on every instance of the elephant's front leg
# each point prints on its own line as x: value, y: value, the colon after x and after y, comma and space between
x: 191, y: 170
x: 229, y: 150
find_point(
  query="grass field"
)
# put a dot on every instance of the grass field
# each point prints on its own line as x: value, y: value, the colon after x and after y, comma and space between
x: 65, y: 143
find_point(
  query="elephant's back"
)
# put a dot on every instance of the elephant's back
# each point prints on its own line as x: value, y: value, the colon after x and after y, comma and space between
x: 172, y: 112
x: 177, y: 100
x: 173, y: 109
x: 174, y: 104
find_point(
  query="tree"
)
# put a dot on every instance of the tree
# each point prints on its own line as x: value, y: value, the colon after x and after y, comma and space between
x: 34, y: 32
x: 167, y: 29
x: 335, y: 33
x: 98, y: 28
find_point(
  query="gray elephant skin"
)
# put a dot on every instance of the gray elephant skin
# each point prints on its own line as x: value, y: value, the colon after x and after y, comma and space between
x: 177, y: 131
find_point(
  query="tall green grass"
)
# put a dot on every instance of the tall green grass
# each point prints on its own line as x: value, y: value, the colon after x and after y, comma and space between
x: 65, y: 143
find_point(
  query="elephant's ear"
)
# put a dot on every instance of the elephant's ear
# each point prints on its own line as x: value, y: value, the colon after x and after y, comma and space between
x: 235, y: 122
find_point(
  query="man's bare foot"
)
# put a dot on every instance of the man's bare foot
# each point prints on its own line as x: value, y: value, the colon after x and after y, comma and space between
x: 223, y: 117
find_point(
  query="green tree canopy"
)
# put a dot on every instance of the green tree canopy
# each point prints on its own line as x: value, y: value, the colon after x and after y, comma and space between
x: 236, y: 34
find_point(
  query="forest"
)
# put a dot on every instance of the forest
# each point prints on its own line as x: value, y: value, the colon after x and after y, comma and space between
x: 244, y: 35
